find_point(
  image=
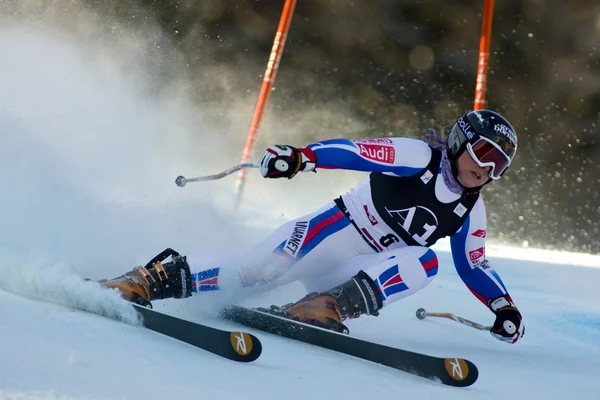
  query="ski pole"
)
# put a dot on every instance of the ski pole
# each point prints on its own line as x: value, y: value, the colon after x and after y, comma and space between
x: 181, y: 180
x: 421, y: 314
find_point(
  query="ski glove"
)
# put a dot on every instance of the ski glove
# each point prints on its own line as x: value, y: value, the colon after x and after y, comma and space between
x: 282, y: 161
x: 508, y: 326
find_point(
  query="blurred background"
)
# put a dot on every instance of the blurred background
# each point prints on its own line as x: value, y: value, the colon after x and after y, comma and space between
x: 365, y: 69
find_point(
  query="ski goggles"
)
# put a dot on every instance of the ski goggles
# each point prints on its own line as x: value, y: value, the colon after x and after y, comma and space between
x: 486, y: 153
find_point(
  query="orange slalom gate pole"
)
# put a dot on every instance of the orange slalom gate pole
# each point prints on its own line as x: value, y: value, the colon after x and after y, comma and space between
x: 267, y: 85
x: 484, y: 55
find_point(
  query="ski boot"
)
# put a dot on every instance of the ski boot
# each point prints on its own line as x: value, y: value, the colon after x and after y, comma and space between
x: 155, y: 281
x: 328, y: 309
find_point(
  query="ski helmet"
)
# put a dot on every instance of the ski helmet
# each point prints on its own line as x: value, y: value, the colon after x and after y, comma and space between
x: 488, y: 137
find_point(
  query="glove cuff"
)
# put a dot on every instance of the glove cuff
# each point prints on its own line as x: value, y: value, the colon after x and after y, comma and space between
x: 500, y: 302
x: 308, y: 159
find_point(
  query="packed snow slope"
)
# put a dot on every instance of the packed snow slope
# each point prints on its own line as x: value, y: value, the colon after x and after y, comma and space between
x: 89, y: 150
x: 53, y: 352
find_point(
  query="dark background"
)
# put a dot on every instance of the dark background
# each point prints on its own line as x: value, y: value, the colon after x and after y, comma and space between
x: 367, y: 68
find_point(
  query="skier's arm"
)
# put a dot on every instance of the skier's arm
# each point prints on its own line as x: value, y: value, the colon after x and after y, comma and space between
x: 468, y: 253
x: 397, y: 156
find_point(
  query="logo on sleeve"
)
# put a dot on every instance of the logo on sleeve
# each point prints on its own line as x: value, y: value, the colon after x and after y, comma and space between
x: 477, y: 254
x: 377, y: 152
x: 295, y: 241
x: 375, y: 141
x: 479, y: 233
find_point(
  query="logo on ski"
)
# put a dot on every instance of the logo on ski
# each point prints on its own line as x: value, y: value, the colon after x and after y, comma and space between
x: 457, y: 368
x: 457, y: 372
x: 241, y: 342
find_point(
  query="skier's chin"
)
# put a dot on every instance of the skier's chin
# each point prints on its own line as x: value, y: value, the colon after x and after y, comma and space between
x: 468, y: 183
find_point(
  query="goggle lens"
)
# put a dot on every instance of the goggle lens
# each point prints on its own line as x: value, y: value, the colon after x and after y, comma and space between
x: 487, y: 154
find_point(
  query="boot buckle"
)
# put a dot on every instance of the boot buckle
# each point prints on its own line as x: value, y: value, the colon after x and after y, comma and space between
x: 144, y: 273
x: 160, y: 271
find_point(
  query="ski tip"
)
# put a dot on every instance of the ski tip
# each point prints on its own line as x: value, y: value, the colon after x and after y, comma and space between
x: 461, y: 372
x: 246, y: 347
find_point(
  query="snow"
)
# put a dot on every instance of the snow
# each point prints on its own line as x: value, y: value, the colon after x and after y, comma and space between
x: 50, y: 351
x: 88, y: 160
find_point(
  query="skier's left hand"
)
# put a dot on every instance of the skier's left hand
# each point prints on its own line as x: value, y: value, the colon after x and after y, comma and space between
x: 508, y: 326
x: 282, y: 161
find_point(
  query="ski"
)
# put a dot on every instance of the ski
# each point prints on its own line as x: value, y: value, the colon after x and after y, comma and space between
x: 450, y: 371
x: 236, y: 346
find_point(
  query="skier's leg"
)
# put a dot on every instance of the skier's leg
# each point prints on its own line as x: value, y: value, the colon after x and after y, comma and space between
x: 404, y: 273
x: 309, y: 246
x: 370, y: 282
x: 269, y: 264
x: 416, y: 267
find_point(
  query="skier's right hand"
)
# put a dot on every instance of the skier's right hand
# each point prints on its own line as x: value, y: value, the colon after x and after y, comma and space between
x: 508, y: 326
x: 282, y: 161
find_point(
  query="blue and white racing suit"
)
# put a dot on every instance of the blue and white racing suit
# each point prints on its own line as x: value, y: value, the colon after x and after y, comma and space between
x: 383, y: 226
